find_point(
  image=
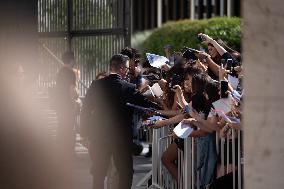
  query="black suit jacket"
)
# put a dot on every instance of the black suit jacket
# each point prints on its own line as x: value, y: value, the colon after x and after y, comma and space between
x: 105, y: 116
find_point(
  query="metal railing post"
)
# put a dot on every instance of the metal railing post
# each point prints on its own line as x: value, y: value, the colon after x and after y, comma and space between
x: 233, y: 157
x: 229, y: 8
x: 239, y: 161
x: 192, y: 9
x: 222, y: 8
x: 159, y: 12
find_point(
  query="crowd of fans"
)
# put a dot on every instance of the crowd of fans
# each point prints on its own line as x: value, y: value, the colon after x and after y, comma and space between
x: 203, y: 79
x: 202, y: 90
x: 193, y: 80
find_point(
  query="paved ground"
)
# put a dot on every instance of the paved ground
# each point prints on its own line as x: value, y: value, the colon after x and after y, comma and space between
x: 83, y: 178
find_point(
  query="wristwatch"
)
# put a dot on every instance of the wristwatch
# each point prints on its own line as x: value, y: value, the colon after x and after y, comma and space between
x: 150, y: 123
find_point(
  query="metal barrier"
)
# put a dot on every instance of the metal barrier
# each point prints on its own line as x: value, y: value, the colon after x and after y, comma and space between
x: 143, y: 133
x: 160, y: 176
x: 229, y: 149
x: 232, y: 144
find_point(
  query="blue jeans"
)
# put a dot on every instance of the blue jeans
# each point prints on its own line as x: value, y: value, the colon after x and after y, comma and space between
x: 206, y: 159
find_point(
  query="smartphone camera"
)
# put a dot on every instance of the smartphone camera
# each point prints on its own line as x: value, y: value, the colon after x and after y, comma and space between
x: 189, y: 55
x: 200, y: 38
x: 186, y: 109
x: 176, y: 80
x: 223, y: 63
x: 186, y: 112
x: 224, y: 89
x: 229, y: 64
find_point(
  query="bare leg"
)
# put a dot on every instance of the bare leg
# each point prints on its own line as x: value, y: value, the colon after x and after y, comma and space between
x: 168, y: 158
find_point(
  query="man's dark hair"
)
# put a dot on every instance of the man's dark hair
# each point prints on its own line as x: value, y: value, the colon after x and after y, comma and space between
x: 67, y: 57
x: 117, y: 61
x: 130, y: 52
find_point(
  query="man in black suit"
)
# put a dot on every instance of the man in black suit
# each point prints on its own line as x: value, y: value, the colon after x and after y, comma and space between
x: 106, y: 122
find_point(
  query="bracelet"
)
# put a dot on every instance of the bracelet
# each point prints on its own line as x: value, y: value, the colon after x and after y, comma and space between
x: 151, y: 123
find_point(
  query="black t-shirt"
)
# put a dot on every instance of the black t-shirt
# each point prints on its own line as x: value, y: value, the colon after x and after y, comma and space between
x: 65, y: 78
x: 199, y: 103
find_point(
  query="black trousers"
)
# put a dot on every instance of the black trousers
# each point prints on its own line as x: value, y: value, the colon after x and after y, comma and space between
x: 65, y: 132
x: 225, y: 182
x: 100, y: 154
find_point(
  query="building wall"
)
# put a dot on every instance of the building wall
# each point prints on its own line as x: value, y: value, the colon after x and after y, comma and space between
x: 263, y: 44
x: 145, y: 11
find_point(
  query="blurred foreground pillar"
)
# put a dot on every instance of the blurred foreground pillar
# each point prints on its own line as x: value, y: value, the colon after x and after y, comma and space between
x: 28, y: 159
x: 18, y: 35
x: 263, y: 45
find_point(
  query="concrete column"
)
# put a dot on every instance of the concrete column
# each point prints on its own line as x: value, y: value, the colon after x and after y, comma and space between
x: 263, y: 55
x: 18, y: 35
x: 192, y: 9
x: 159, y: 12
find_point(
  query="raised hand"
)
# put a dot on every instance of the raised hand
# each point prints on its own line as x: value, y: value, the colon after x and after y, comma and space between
x: 177, y: 89
x: 189, y: 121
x: 206, y: 38
x: 202, y: 55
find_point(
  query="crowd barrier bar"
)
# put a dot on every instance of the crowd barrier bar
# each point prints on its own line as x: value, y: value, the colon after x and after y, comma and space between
x: 187, y: 159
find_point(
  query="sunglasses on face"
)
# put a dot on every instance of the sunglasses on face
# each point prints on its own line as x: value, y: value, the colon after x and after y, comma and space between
x: 137, y: 61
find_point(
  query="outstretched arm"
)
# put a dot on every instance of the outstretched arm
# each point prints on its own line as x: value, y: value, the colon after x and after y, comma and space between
x: 218, y: 47
x: 166, y: 122
x: 180, y: 96
x: 135, y: 97
x: 211, y: 64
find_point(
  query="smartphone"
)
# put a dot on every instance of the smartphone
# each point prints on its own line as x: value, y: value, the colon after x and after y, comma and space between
x: 186, y: 112
x: 189, y: 54
x: 200, y: 38
x: 186, y: 109
x: 193, y: 50
x: 224, y: 89
x: 176, y: 80
x: 223, y: 63
x: 229, y: 64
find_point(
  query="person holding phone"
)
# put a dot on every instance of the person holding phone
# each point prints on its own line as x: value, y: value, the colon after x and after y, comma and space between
x: 217, y: 54
x: 134, y: 74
